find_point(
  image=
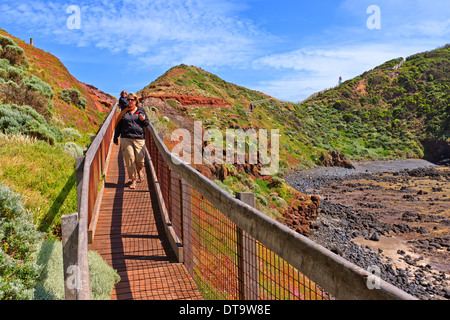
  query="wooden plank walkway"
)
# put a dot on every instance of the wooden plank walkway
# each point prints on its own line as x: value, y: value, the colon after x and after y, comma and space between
x: 130, y: 237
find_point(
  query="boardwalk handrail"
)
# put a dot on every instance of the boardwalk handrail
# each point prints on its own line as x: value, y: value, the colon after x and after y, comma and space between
x: 337, y: 276
x: 94, y: 168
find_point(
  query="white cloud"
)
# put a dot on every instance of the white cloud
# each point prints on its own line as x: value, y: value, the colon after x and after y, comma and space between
x: 408, y: 27
x: 314, y: 69
x: 326, y: 60
x: 33, y: 15
x: 216, y: 33
x: 154, y: 31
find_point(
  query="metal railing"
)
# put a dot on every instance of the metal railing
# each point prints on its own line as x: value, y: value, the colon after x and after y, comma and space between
x: 233, y: 251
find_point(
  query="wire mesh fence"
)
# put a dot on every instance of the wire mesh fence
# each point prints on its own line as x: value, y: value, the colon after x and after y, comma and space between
x: 225, y: 262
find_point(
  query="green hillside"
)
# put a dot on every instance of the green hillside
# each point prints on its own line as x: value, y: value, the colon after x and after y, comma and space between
x: 193, y: 81
x: 47, y: 118
x: 381, y: 114
x: 389, y: 113
x: 397, y: 110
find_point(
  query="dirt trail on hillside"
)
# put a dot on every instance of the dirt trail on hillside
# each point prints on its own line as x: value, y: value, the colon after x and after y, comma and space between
x: 391, y: 214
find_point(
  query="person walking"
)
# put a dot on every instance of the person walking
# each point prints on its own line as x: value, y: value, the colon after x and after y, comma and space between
x: 123, y: 100
x: 130, y: 129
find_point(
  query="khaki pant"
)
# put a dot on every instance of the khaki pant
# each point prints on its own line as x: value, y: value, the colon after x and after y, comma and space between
x: 133, y: 154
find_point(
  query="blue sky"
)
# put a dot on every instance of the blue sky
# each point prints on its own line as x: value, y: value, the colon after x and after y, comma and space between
x: 287, y: 49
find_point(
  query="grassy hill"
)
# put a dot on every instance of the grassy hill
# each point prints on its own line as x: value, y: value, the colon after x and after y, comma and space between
x: 381, y: 114
x: 193, y: 81
x: 389, y: 113
x: 45, y: 83
x: 397, y: 110
x: 47, y: 118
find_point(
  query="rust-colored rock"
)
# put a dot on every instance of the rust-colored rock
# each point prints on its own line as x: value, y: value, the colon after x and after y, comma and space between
x: 301, y: 213
x: 103, y: 101
x: 335, y: 159
x: 205, y: 170
x: 186, y: 100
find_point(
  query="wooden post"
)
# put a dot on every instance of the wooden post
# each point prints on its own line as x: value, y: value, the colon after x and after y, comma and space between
x: 31, y: 41
x: 247, y: 256
x: 175, y: 204
x: 187, y: 226
x: 180, y: 185
x: 69, y: 230
x: 79, y: 167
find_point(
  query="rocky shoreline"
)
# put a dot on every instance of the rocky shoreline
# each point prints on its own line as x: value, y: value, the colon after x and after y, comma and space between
x: 410, y: 248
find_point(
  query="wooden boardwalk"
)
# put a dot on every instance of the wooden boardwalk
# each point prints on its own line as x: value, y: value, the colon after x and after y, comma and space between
x: 130, y: 237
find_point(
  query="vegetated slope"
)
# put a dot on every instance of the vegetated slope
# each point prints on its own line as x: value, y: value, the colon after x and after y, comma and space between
x: 392, y: 111
x: 170, y: 106
x: 385, y: 113
x: 57, y: 94
x: 268, y: 113
x: 195, y: 82
x: 46, y: 120
x: 389, y: 112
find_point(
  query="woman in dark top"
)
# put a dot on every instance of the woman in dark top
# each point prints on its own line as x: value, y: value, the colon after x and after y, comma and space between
x: 123, y: 100
x: 130, y: 129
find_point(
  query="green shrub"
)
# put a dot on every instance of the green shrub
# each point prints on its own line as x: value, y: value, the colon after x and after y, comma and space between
x: 25, y: 120
x: 13, y: 53
x: 261, y: 199
x: 19, y: 239
x: 73, y: 96
x: 349, y: 117
x: 71, y: 134
x: 223, y: 186
x: 377, y: 79
x: 40, y: 132
x: 9, y: 72
x: 29, y: 111
x: 101, y: 276
x: 82, y: 103
x: 276, y: 182
x: 341, y: 105
x: 73, y: 149
x: 17, y: 92
x: 22, y: 88
x: 50, y: 285
x: 5, y: 41
x: 9, y: 125
x: 57, y: 133
x: 38, y: 85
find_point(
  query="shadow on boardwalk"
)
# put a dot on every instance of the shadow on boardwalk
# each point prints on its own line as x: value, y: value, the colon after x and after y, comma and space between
x: 130, y: 237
